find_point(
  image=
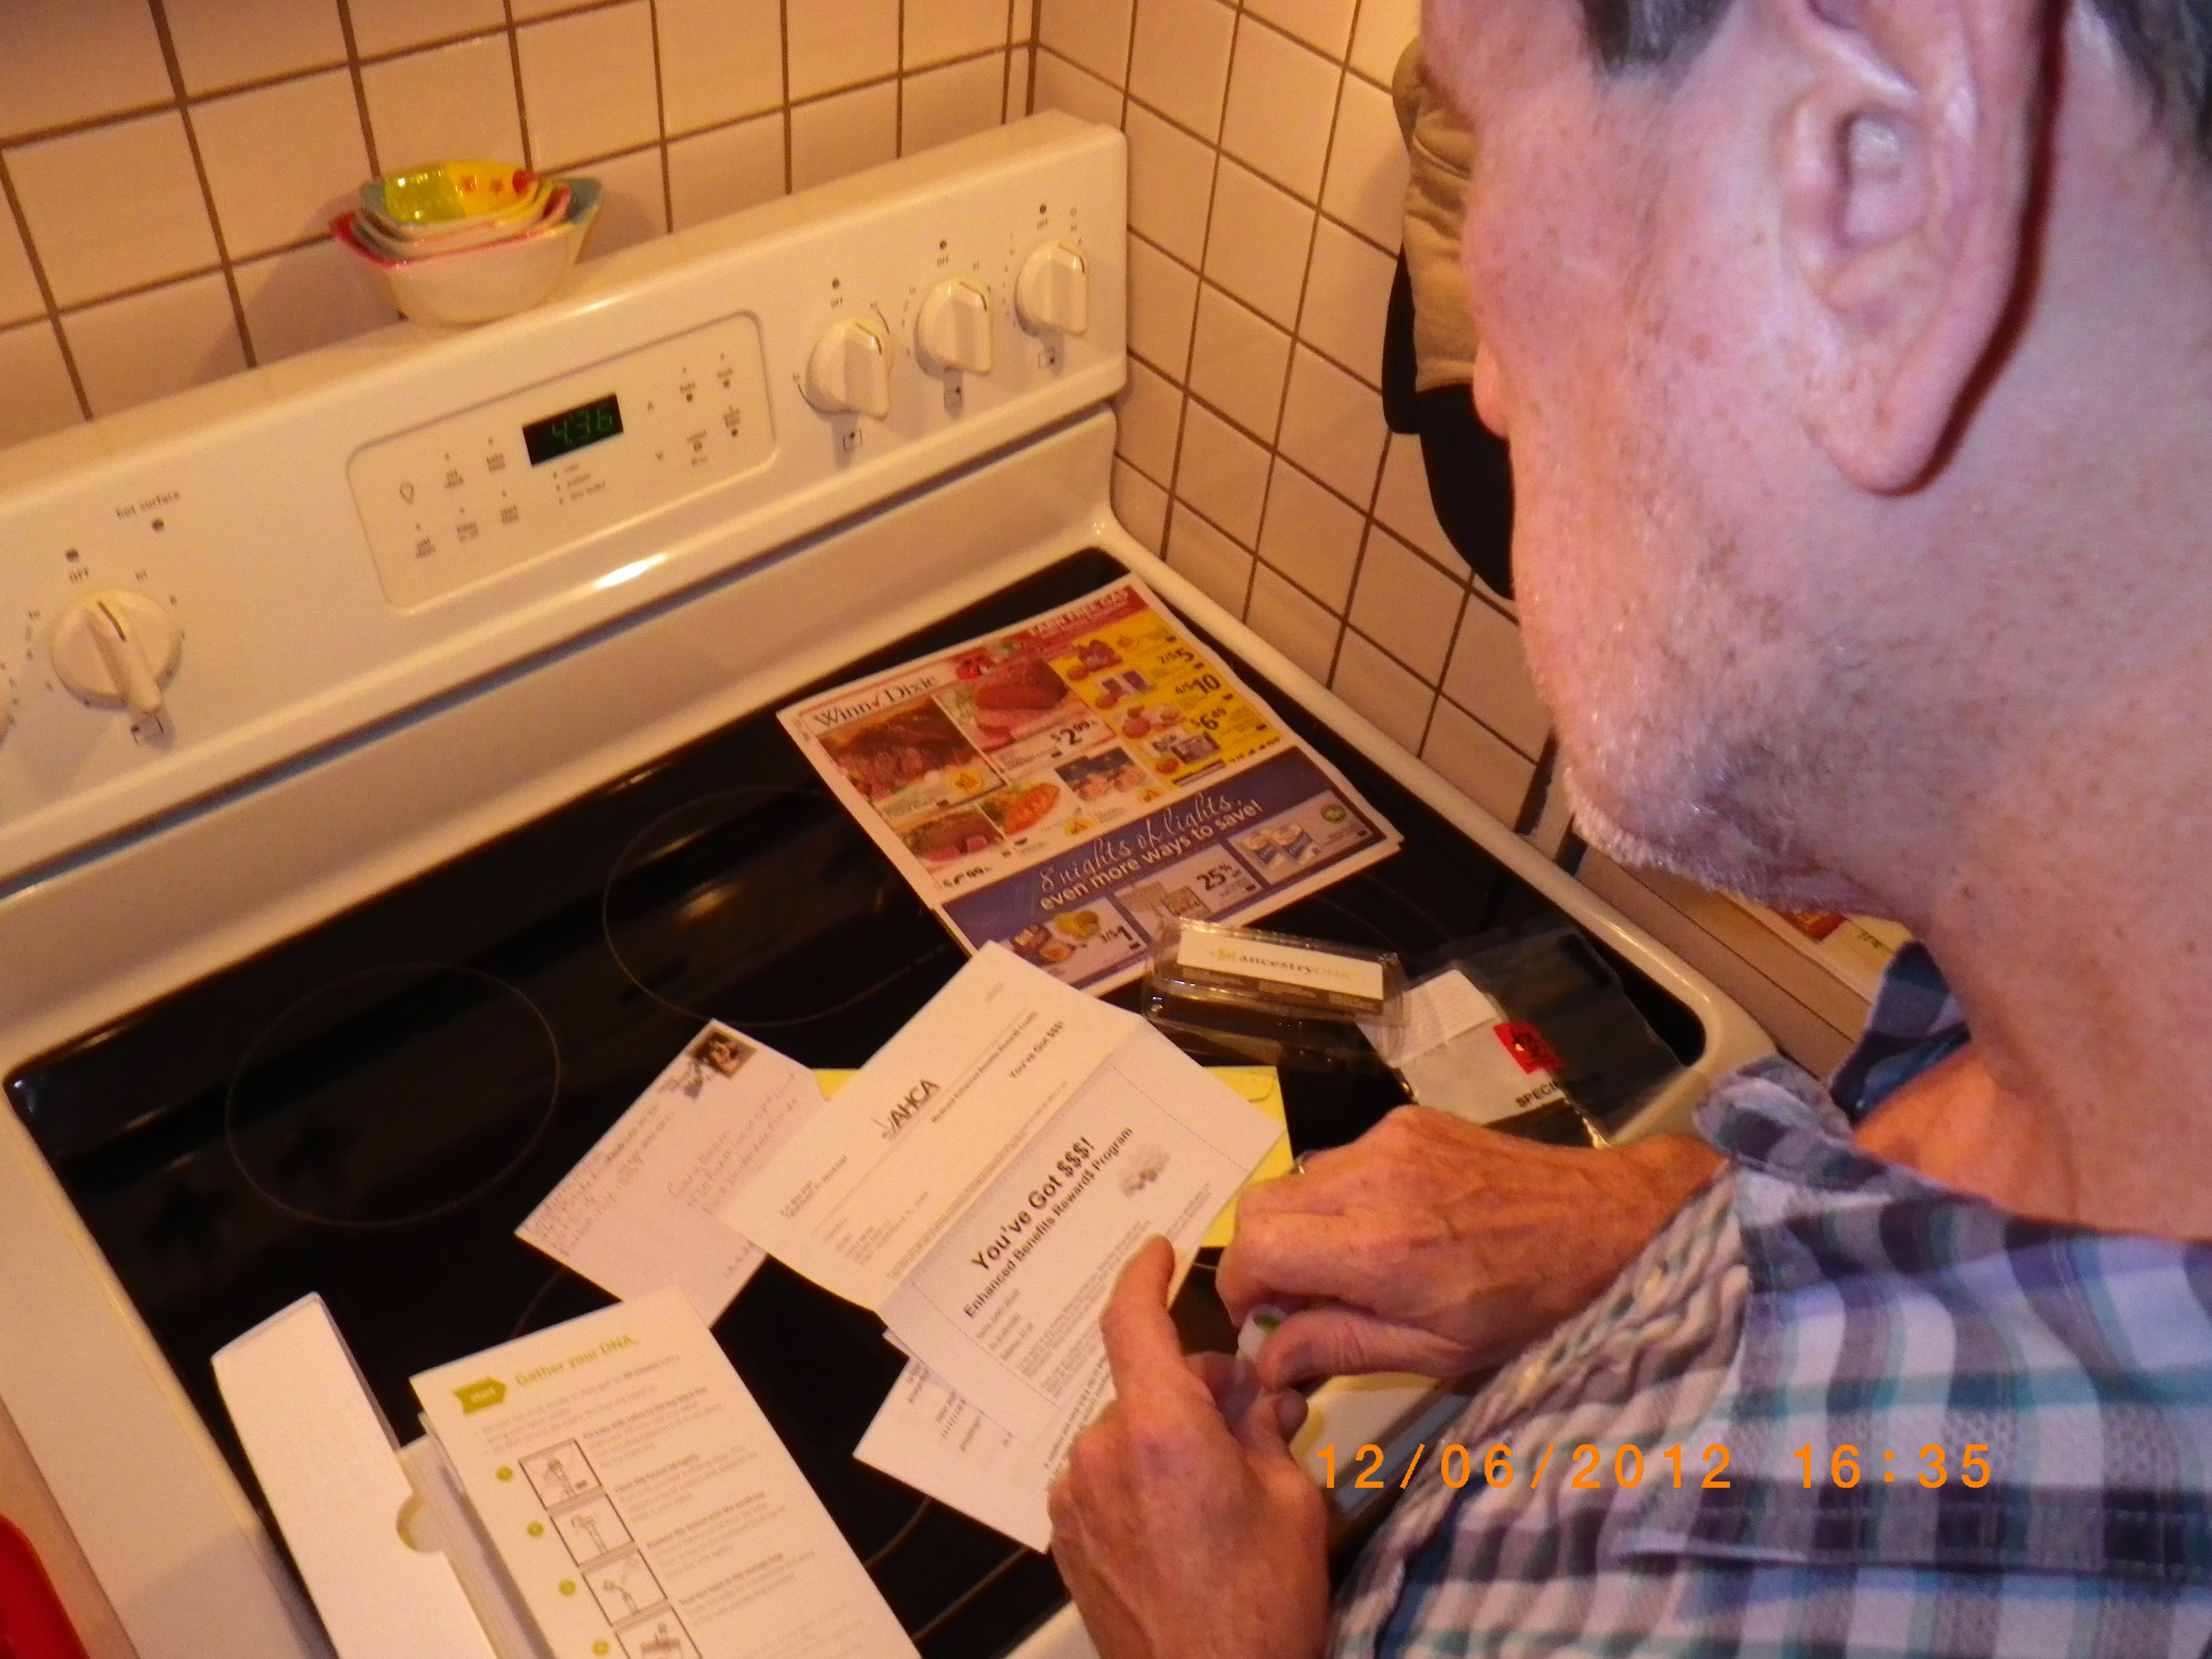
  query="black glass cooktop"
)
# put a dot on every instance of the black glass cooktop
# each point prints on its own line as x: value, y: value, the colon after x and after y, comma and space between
x: 368, y: 1111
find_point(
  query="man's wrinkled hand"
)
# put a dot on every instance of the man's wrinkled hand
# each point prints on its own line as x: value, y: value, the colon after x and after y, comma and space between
x: 1434, y: 1246
x: 1183, y: 1526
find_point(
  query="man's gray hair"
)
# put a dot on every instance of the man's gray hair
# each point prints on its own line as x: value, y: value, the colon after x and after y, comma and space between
x: 2168, y: 41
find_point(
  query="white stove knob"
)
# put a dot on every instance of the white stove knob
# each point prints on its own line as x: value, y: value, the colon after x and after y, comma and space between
x: 1053, y: 293
x: 850, y: 372
x: 118, y: 646
x: 955, y: 328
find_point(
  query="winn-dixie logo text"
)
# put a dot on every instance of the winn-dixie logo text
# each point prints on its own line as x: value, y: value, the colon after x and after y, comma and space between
x: 909, y: 1105
x: 878, y: 698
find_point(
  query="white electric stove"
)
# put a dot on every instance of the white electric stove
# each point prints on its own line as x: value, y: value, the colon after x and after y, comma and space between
x: 400, y: 673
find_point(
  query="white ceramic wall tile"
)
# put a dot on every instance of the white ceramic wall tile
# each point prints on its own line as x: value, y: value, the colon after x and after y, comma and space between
x: 1163, y: 304
x: 1312, y: 536
x: 1382, y: 34
x: 1060, y: 85
x: 1368, y: 679
x: 837, y: 135
x: 41, y: 398
x: 726, y: 170
x: 1222, y: 569
x: 1406, y: 605
x: 225, y: 43
x: 1473, y: 761
x: 19, y: 285
x: 1024, y: 24
x: 1094, y: 33
x: 1301, y: 629
x: 636, y: 208
x: 305, y: 298
x: 1347, y: 298
x: 720, y: 59
x: 1179, y: 60
x: 1403, y: 502
x: 937, y: 30
x: 1238, y: 362
x: 941, y: 105
x: 1324, y: 25
x: 1256, y: 245
x: 131, y: 351
x: 113, y: 207
x: 588, y: 84
x: 1332, y: 426
x: 1171, y: 185
x: 1367, y: 165
x: 70, y: 60
x: 1021, y: 70
x: 451, y: 103
x: 524, y: 10
x: 1140, y: 505
x: 383, y: 26
x: 1490, y: 679
x: 1282, y: 102
x: 281, y: 161
x: 1148, y: 412
x: 1222, y: 473
x: 840, y: 45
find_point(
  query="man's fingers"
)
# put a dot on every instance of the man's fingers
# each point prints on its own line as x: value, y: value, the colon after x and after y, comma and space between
x: 1339, y: 1341
x: 1266, y: 1425
x: 1324, y: 1258
x: 1140, y: 1339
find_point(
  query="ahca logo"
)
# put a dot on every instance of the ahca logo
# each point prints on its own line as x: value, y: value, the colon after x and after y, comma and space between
x: 903, y: 1114
x: 480, y: 1396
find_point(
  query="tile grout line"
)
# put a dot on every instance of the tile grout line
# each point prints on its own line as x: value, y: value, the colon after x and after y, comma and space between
x: 53, y: 316
x: 360, y: 88
x: 160, y: 13
x: 521, y: 99
x: 660, y: 120
x: 783, y: 44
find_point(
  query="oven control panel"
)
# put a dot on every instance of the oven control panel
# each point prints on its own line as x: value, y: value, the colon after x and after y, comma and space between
x: 463, y: 498
x: 220, y: 585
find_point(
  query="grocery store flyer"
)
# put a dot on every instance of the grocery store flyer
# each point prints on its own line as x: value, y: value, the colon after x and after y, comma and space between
x: 1063, y: 786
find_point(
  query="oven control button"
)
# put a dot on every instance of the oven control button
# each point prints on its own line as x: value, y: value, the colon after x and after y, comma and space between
x: 1053, y: 293
x: 850, y: 372
x: 954, y: 332
x: 117, y: 647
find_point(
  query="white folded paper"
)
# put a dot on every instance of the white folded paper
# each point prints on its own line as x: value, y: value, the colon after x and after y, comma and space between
x: 980, y: 1181
x: 637, y: 1214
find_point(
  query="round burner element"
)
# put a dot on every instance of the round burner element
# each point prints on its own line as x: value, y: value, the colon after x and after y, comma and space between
x: 392, y: 1097
x: 764, y: 908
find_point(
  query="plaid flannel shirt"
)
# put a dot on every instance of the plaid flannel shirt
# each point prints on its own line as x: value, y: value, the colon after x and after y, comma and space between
x: 1815, y: 1297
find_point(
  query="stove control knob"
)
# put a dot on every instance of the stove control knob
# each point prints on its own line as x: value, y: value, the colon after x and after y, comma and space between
x: 850, y: 372
x: 117, y: 647
x: 1053, y: 293
x: 954, y: 332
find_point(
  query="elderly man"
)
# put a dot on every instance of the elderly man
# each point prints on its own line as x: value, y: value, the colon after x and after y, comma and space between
x: 1856, y: 359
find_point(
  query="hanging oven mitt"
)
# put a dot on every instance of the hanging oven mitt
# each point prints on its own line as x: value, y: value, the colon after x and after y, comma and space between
x: 1428, y: 354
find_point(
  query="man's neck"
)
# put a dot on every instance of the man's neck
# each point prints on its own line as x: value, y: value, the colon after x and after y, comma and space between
x: 2076, y: 930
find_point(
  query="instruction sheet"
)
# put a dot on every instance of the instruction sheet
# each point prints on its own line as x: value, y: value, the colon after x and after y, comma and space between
x: 1064, y: 785
x: 985, y: 1176
x: 641, y: 1502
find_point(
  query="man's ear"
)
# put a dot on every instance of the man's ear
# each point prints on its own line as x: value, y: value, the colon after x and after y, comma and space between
x: 1908, y: 160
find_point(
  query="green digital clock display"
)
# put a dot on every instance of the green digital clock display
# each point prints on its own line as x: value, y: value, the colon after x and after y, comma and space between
x: 572, y: 430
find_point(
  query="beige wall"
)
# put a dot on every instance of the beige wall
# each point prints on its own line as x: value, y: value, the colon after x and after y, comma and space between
x: 1266, y: 179
x: 169, y: 165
